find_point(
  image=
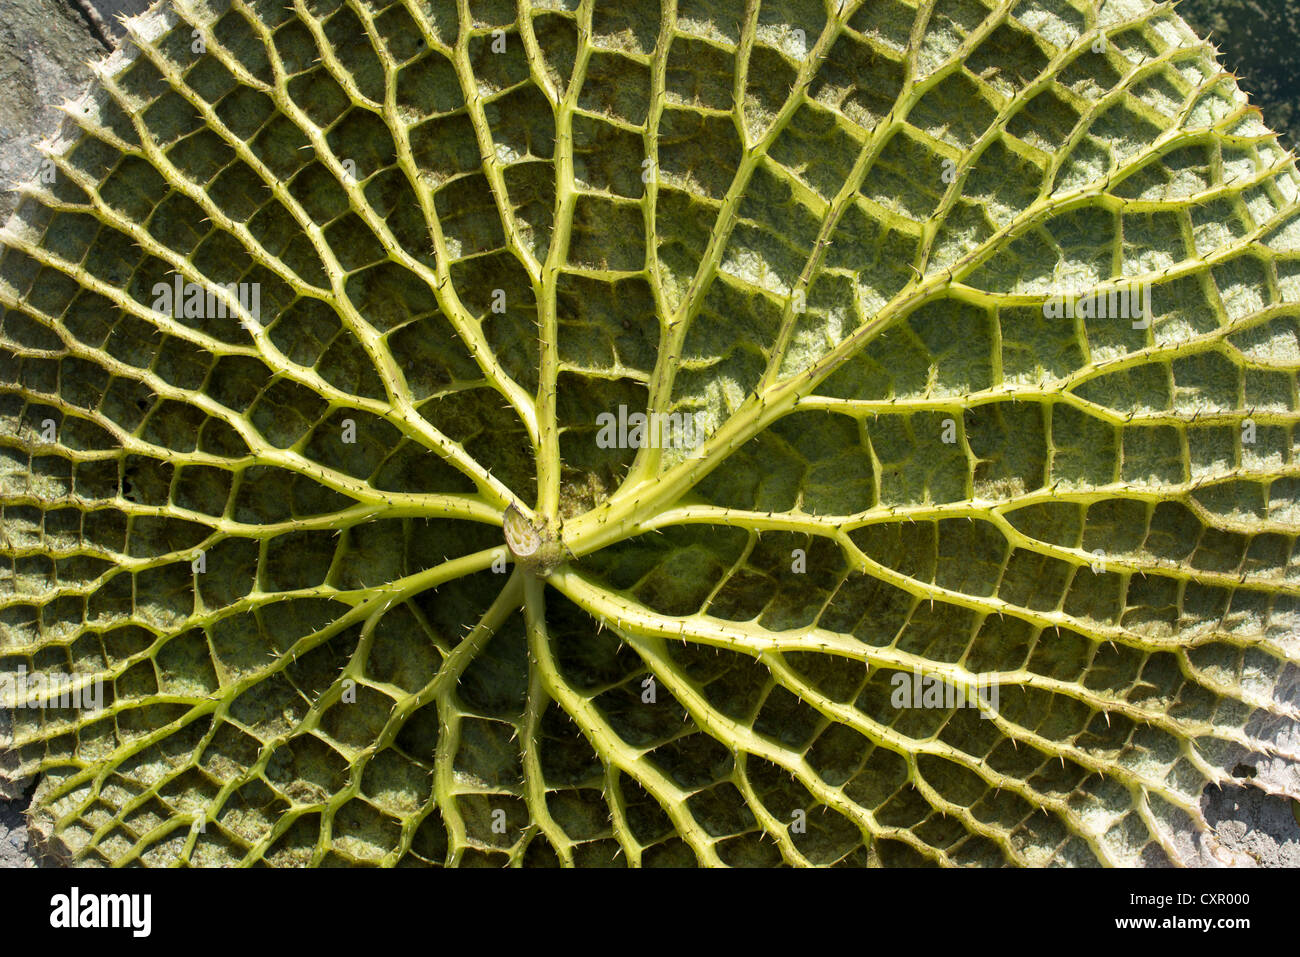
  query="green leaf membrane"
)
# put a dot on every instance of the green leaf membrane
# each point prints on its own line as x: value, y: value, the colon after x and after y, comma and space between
x: 651, y: 434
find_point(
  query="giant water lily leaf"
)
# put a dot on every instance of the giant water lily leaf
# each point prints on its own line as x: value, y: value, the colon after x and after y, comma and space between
x: 652, y: 433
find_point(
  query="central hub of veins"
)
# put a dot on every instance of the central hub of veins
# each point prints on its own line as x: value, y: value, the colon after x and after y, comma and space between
x: 535, y: 546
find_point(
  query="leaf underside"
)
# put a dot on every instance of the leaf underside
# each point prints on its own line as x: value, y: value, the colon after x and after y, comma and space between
x: 825, y: 233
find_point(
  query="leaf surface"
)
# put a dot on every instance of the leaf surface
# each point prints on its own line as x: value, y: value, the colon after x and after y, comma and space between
x: 365, y: 579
